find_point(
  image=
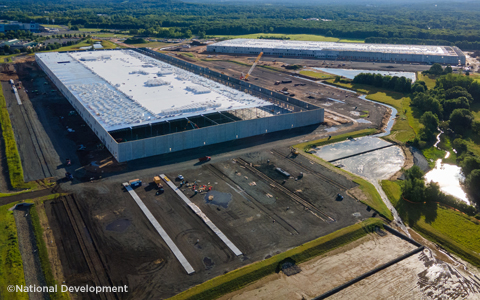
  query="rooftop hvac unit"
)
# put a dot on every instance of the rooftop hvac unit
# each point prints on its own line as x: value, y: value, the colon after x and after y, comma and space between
x: 156, y: 82
x: 196, y: 89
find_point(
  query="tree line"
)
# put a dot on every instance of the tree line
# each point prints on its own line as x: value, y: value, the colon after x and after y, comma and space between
x: 447, y: 107
x: 394, y: 83
x: 450, y: 22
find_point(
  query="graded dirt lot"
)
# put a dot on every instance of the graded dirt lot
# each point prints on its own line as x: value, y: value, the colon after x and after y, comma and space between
x: 261, y: 219
x: 421, y: 276
x: 320, y: 63
x: 344, y: 103
x: 328, y: 271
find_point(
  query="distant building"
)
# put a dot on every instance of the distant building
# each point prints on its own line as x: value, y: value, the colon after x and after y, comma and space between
x: 14, y: 25
x: 342, y: 51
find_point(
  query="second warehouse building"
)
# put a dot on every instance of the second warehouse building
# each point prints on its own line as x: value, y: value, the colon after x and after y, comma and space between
x: 343, y: 51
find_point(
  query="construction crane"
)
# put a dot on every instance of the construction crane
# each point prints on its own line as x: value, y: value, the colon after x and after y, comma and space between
x: 251, y: 69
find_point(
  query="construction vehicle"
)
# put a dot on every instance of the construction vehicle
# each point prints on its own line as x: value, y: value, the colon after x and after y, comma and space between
x: 158, y: 183
x: 253, y: 67
x: 68, y: 176
x: 135, y: 182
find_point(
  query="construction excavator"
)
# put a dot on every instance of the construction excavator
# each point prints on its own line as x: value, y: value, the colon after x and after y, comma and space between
x: 245, y: 77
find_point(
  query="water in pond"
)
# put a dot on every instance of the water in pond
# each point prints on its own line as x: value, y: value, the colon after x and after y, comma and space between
x: 350, y: 74
x: 218, y: 198
x: 449, y: 177
x: 376, y: 165
x: 350, y: 147
x: 119, y: 225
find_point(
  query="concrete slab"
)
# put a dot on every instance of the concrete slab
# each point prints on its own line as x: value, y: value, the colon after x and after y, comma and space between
x: 205, y: 219
x: 186, y: 265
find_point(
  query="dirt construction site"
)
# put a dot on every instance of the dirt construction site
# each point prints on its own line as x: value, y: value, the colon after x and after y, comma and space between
x: 261, y: 197
x: 259, y: 209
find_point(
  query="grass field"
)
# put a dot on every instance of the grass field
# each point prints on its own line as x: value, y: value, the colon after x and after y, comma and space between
x: 7, y: 58
x: 239, y: 278
x: 152, y: 45
x: 108, y: 45
x: 429, y: 81
x: 317, y: 74
x: 453, y: 230
x: 432, y: 153
x: 71, y: 47
x: 111, y: 35
x: 14, y: 163
x: 407, y: 123
x: 42, y: 248
x: 293, y: 37
x: 11, y: 266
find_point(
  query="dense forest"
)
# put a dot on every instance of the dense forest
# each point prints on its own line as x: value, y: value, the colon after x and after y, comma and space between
x: 454, y: 23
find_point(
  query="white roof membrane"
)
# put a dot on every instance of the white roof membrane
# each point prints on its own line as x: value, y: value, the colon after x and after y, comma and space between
x: 333, y: 46
x: 126, y: 88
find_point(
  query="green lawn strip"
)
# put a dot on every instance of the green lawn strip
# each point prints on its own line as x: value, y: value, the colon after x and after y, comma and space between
x: 337, y: 138
x: 11, y: 265
x: 188, y: 54
x: 108, y: 45
x: 351, y: 41
x: 315, y: 74
x: 430, y: 81
x: 365, y: 114
x: 407, y: 123
x: 239, y: 278
x: 453, y: 230
x: 13, y: 194
x: 374, y: 200
x: 429, y: 232
x: 42, y: 248
x: 52, y: 26
x: 393, y: 190
x: 15, y: 170
x: 154, y: 45
x: 90, y: 29
x: 71, y: 47
x: 7, y: 58
x: 294, y: 37
x: 432, y: 154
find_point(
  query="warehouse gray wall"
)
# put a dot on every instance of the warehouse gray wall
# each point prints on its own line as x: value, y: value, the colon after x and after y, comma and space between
x: 216, y: 134
x: 101, y: 133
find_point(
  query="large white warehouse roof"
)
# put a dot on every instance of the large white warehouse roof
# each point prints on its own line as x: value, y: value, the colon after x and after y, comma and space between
x: 124, y: 88
x: 317, y: 46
